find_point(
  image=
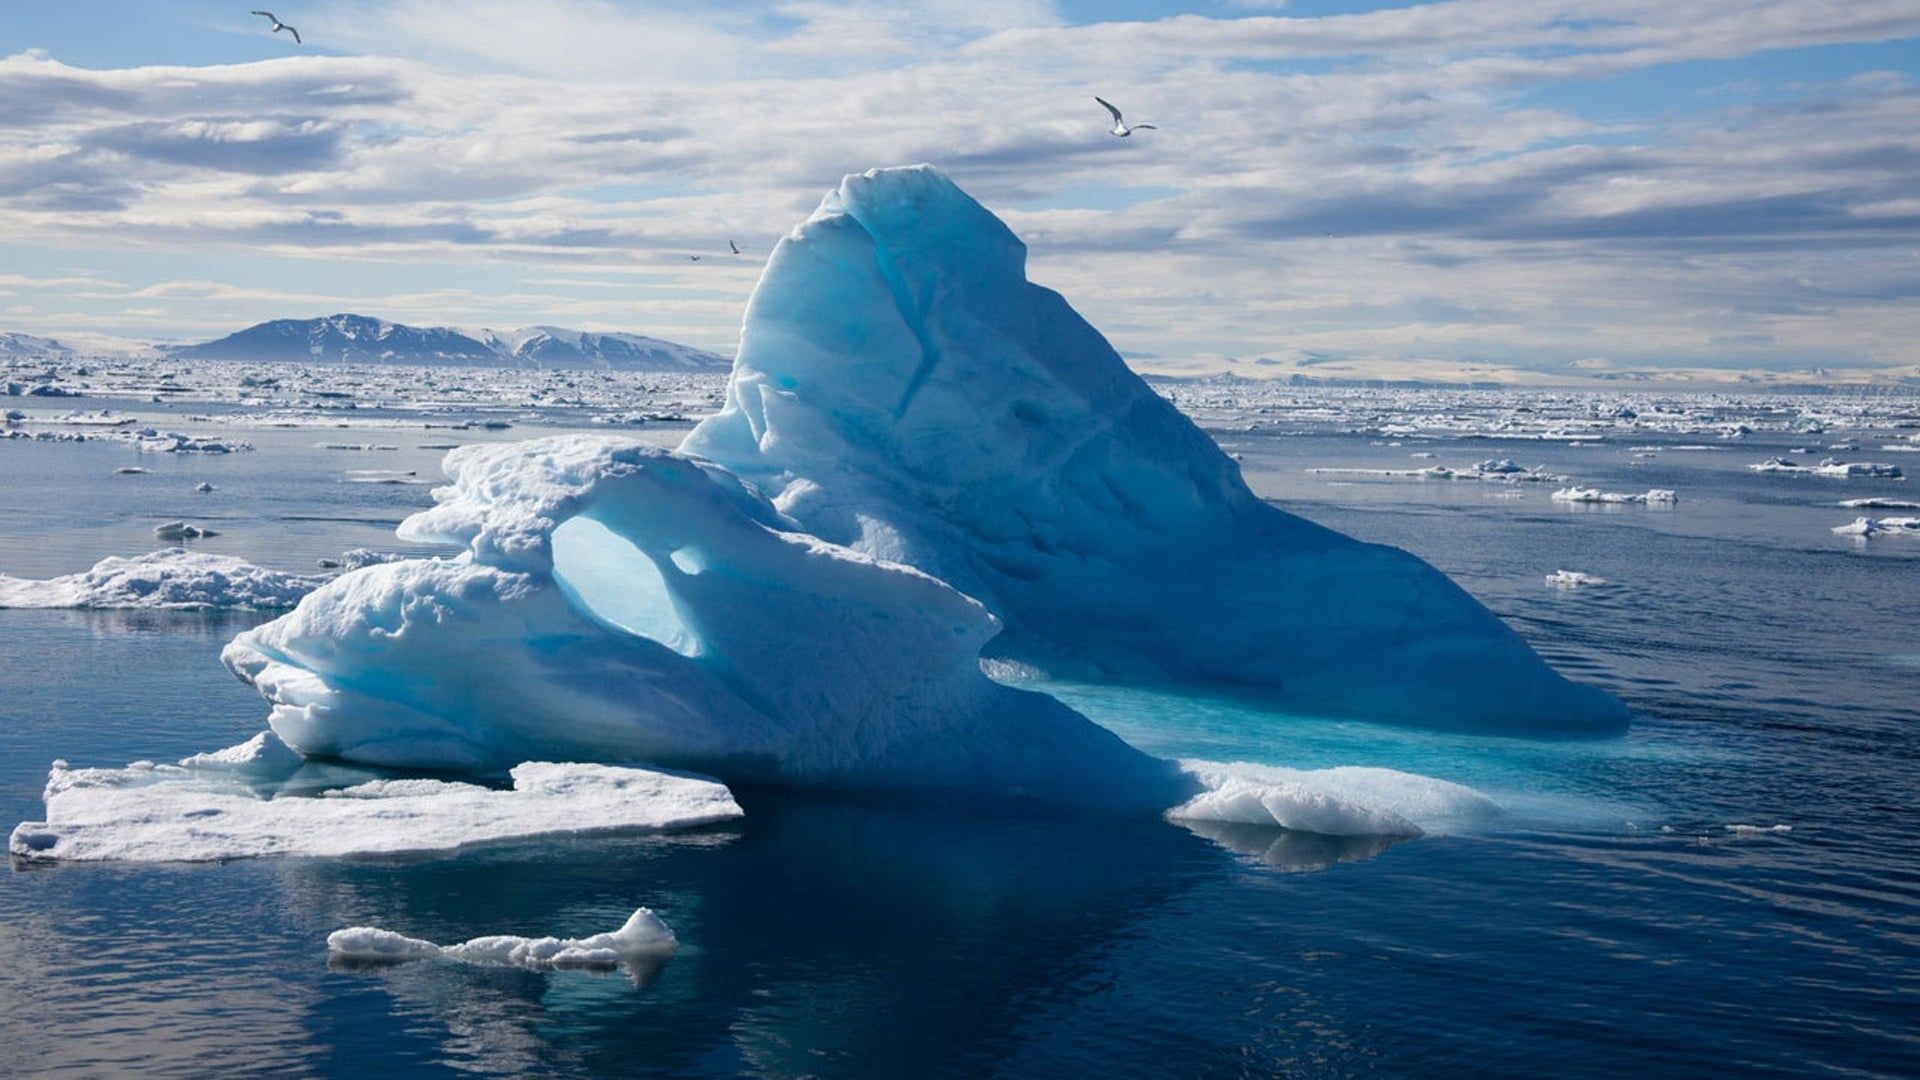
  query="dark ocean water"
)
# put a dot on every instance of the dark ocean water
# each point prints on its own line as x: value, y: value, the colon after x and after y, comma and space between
x: 1606, y: 923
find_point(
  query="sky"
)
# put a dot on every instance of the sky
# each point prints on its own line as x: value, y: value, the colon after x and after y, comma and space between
x: 1336, y: 186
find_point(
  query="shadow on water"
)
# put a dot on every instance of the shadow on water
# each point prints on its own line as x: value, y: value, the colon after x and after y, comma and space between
x: 828, y: 929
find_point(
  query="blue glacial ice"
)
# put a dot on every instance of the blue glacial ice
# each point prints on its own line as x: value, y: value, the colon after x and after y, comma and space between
x: 901, y: 389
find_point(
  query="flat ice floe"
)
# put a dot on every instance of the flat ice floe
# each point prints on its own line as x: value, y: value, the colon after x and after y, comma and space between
x: 1501, y: 470
x: 1580, y: 495
x: 1573, y: 579
x: 1831, y: 468
x: 233, y: 804
x: 1344, y: 801
x: 169, y: 578
x: 643, y: 936
x: 1880, y: 503
x: 1887, y: 526
x: 1749, y: 831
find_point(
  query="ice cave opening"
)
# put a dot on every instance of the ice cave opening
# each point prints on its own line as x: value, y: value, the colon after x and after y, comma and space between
x: 609, y: 579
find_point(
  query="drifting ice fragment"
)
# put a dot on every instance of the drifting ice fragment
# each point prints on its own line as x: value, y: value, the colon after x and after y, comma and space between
x: 180, y: 530
x: 1654, y: 497
x: 1831, y: 468
x: 1347, y: 801
x: 644, y: 935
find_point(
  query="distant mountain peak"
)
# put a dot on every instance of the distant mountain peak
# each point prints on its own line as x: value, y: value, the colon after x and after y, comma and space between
x: 349, y: 338
x: 15, y: 346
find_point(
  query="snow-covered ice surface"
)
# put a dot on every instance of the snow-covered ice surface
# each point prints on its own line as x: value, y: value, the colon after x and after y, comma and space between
x: 903, y: 390
x: 170, y: 578
x: 643, y: 935
x: 259, y: 798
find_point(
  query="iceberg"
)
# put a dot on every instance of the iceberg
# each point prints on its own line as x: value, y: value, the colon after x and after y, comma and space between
x: 902, y: 391
x: 923, y: 463
x: 643, y: 936
x: 248, y: 801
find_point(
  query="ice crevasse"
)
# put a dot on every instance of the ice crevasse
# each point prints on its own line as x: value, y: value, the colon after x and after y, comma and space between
x: 922, y: 457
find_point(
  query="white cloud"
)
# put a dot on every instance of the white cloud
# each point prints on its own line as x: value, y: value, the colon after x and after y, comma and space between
x: 1372, y: 184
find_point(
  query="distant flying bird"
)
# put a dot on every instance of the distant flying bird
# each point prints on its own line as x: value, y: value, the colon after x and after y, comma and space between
x: 1120, y: 127
x: 279, y: 26
x: 734, y: 246
x: 695, y: 258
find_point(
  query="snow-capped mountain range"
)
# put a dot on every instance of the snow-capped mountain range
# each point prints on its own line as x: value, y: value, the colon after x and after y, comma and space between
x: 361, y: 339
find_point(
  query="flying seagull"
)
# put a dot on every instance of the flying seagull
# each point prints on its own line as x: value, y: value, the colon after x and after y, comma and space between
x: 734, y: 246
x: 279, y: 26
x: 1120, y: 127
x: 694, y: 258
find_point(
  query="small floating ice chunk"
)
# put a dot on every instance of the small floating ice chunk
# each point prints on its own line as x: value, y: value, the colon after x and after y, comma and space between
x: 1652, y: 497
x: 1573, y: 579
x: 1830, y: 467
x: 644, y: 934
x: 1866, y: 526
x: 203, y: 487
x: 169, y: 578
x: 1497, y: 470
x: 1758, y: 830
x: 150, y: 441
x: 210, y: 807
x: 180, y: 530
x: 1346, y: 801
x: 1878, y: 502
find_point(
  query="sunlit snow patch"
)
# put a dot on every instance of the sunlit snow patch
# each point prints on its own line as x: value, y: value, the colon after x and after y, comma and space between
x: 231, y: 804
x: 643, y: 936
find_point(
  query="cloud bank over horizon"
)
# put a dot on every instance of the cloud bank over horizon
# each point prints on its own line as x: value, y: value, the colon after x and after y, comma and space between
x: 1570, y: 186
